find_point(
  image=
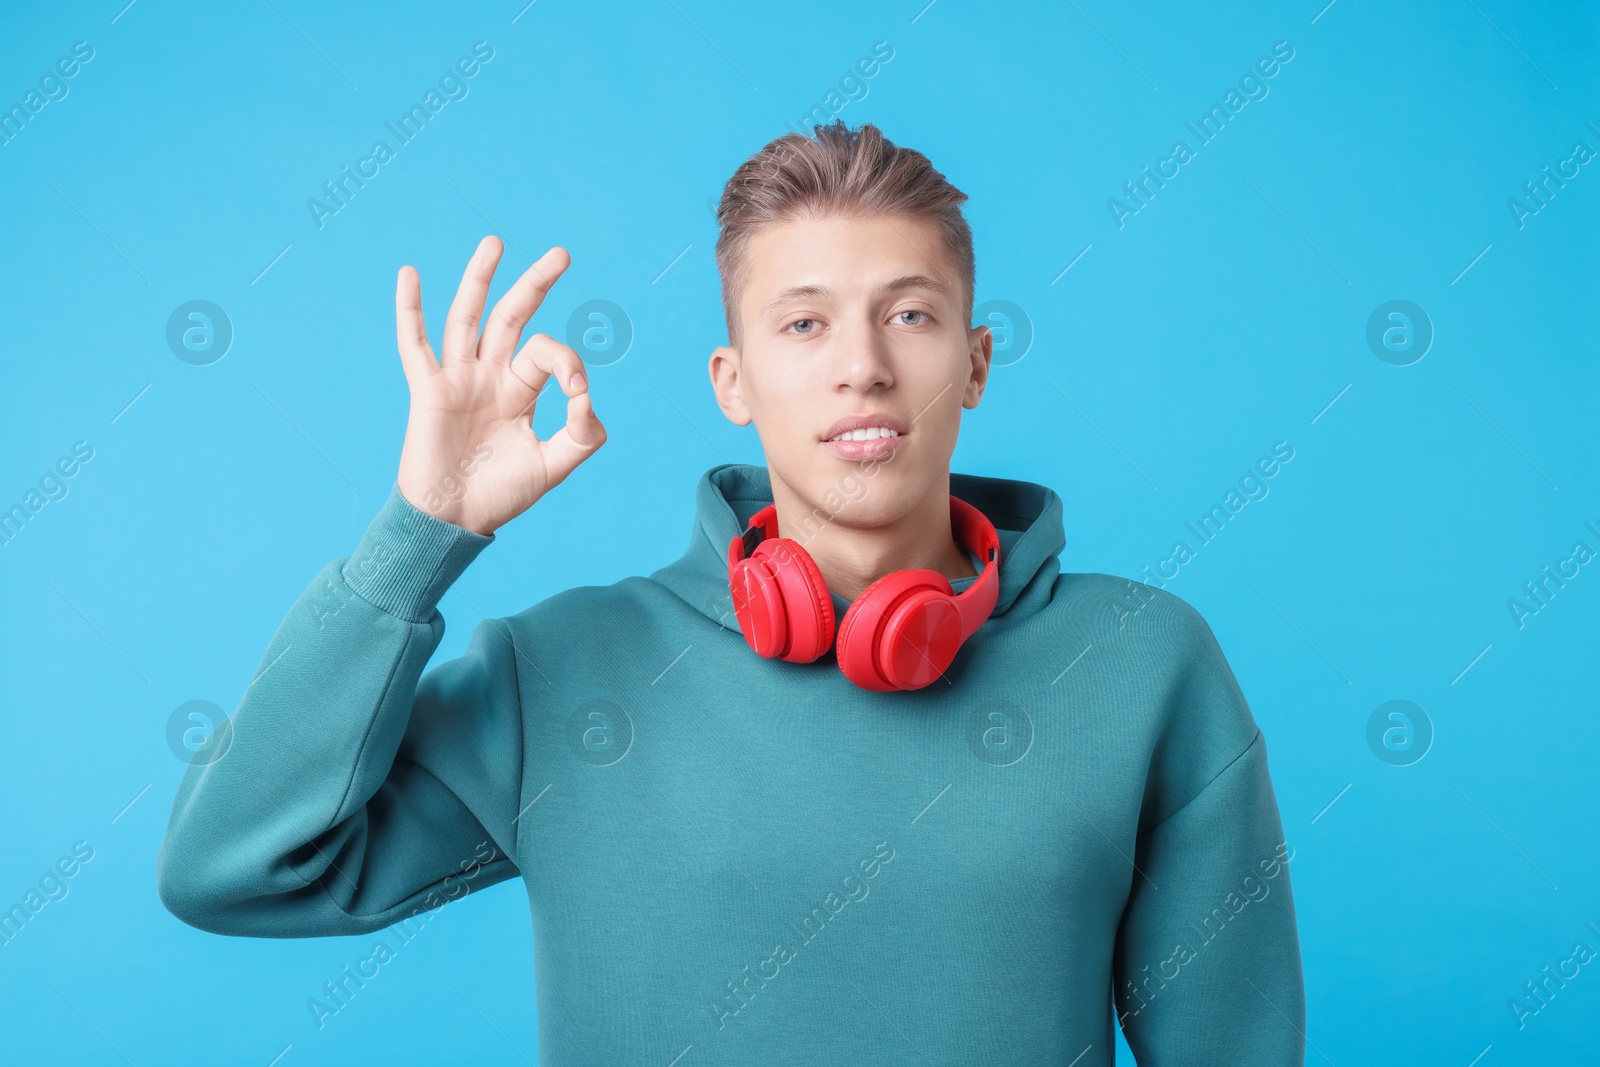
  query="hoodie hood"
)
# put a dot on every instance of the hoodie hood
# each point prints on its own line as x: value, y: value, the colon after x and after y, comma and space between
x: 1026, y: 515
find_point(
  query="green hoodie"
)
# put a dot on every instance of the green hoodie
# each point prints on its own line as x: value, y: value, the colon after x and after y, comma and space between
x: 738, y: 860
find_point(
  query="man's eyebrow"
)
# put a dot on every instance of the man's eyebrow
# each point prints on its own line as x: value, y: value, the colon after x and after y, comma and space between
x: 796, y: 292
x: 905, y: 281
x: 916, y: 281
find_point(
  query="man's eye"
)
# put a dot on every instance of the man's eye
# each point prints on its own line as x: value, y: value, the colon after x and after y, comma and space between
x: 919, y: 322
x: 798, y: 323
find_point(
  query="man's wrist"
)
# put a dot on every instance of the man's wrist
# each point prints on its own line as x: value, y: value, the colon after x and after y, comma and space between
x: 444, y: 511
x: 407, y: 558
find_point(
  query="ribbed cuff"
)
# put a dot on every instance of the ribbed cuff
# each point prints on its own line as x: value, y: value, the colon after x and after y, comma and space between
x: 408, y: 558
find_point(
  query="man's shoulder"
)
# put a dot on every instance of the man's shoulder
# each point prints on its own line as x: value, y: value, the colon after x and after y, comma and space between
x: 627, y: 603
x: 1142, y: 618
x: 1194, y: 718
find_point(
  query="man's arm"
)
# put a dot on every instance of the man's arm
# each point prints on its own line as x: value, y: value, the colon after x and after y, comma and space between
x: 344, y: 795
x: 349, y: 790
x: 1207, y: 964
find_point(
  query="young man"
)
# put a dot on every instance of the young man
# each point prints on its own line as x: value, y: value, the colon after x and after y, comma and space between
x: 780, y: 801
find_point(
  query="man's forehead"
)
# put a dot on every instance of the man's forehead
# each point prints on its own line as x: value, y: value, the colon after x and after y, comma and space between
x: 833, y: 257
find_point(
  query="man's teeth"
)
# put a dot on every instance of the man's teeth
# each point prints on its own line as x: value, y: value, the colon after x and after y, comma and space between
x: 868, y: 434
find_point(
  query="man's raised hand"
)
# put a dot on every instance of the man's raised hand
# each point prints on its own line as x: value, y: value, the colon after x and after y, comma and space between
x: 470, y: 455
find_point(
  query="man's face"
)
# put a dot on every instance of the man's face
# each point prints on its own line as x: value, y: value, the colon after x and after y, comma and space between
x: 844, y: 317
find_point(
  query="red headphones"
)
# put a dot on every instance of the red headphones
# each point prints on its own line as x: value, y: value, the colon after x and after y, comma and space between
x: 900, y: 633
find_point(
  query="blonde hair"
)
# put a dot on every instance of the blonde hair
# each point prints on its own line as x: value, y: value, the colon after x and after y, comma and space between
x: 838, y: 172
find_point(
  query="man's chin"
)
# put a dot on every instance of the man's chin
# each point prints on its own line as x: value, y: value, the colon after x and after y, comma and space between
x: 857, y: 494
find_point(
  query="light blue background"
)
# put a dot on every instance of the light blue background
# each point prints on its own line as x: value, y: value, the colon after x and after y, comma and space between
x: 1225, y: 316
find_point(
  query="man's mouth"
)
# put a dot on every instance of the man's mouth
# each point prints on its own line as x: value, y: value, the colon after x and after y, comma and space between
x: 868, y: 426
x: 870, y: 433
x: 871, y: 436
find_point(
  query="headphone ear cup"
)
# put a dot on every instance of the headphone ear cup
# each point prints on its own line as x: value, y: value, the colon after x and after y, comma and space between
x: 898, y: 632
x: 758, y: 606
x: 919, y: 639
x: 787, y: 600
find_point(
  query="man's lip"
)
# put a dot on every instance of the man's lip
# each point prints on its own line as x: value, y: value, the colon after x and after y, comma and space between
x: 879, y: 448
x: 861, y: 422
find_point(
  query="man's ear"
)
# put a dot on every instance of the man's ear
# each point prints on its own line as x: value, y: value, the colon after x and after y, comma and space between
x: 724, y: 369
x: 980, y: 351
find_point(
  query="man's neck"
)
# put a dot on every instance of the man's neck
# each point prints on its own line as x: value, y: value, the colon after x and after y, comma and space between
x: 852, y: 558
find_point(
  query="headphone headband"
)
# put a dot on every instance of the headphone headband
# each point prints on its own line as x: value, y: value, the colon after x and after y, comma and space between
x: 974, y: 530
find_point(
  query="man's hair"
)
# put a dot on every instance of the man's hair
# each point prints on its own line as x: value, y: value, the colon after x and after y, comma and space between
x: 839, y: 172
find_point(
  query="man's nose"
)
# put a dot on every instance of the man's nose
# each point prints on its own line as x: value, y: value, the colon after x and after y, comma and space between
x: 863, y: 359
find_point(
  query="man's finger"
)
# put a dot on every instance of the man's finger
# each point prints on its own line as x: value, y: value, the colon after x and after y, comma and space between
x: 574, y: 442
x: 411, y: 334
x: 544, y: 356
x: 511, y: 313
x: 461, y: 325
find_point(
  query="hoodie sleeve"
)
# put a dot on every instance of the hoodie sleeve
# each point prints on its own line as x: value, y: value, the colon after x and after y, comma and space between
x: 1207, y: 961
x: 349, y: 791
